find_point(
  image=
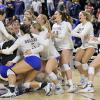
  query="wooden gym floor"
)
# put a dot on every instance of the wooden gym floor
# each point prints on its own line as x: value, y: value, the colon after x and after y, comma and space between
x: 40, y: 95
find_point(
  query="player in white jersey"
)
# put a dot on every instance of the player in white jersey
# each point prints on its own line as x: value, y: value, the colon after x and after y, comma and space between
x: 93, y: 67
x: 86, y: 51
x: 31, y: 64
x: 63, y: 43
x: 2, y: 28
x: 27, y: 19
x: 16, y: 28
x: 49, y: 58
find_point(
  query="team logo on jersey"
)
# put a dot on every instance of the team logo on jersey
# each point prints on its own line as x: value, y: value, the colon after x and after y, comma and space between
x: 30, y: 40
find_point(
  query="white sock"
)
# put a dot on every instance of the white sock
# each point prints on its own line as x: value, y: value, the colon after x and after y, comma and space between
x: 11, y: 85
x: 86, y: 79
x: 58, y: 85
x: 90, y: 82
x: 70, y: 82
x: 82, y: 76
x: 40, y: 84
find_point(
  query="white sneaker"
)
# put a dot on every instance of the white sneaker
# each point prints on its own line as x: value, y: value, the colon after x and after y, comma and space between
x: 88, y: 88
x: 48, y: 89
x: 59, y: 77
x: 81, y: 82
x: 63, y: 82
x: 67, y: 84
x: 84, y: 84
x: 71, y: 88
x: 8, y: 95
x: 59, y: 91
x: 21, y: 88
x: 98, y: 73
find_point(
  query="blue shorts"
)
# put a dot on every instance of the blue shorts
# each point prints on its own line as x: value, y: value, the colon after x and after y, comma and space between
x: 3, y: 70
x: 66, y: 49
x: 34, y: 62
x: 95, y: 49
x: 57, y: 58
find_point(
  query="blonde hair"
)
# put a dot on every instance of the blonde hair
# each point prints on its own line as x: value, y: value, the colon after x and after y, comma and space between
x: 38, y: 26
x: 88, y: 16
x: 33, y: 16
x: 46, y: 22
x: 29, y: 18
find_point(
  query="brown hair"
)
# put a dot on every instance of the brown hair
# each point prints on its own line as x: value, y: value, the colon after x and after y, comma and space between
x: 38, y: 26
x: 26, y: 29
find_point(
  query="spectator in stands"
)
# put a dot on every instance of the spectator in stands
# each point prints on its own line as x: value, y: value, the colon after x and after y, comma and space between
x: 7, y: 23
x: 90, y: 8
x: 92, y: 1
x: 27, y: 4
x: 19, y: 9
x: 9, y: 8
x: 61, y: 5
x: 74, y: 9
x: 50, y: 7
x: 14, y: 18
x: 37, y: 6
x: 55, y: 4
x: 2, y: 6
x: 98, y: 12
x: 68, y: 3
x: 32, y: 10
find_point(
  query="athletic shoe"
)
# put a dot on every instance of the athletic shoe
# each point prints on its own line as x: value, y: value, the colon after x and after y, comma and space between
x: 59, y: 91
x: 84, y: 84
x: 81, y: 82
x: 71, y: 88
x: 88, y: 88
x: 21, y: 88
x: 9, y: 94
x: 98, y: 73
x: 67, y: 84
x: 48, y: 89
x: 63, y: 82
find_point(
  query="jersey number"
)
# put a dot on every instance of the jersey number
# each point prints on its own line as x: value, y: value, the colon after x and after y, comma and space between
x: 55, y: 32
x: 33, y: 46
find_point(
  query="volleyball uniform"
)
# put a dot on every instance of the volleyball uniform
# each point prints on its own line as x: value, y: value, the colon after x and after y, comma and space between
x: 25, y: 43
x: 3, y: 31
x: 19, y: 33
x: 84, y: 30
x: 5, y: 58
x: 49, y: 51
x: 19, y: 49
x: 64, y: 40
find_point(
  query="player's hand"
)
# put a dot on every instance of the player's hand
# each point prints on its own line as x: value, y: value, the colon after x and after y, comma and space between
x: 28, y: 52
x: 9, y: 63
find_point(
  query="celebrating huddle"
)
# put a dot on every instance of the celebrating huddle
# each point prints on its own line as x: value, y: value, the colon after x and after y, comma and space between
x: 34, y: 49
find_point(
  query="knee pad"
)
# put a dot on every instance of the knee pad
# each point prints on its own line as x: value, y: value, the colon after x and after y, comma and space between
x: 26, y: 85
x: 66, y: 67
x: 40, y: 75
x: 77, y: 63
x: 85, y: 66
x: 91, y: 70
x: 52, y: 76
x: 10, y: 71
